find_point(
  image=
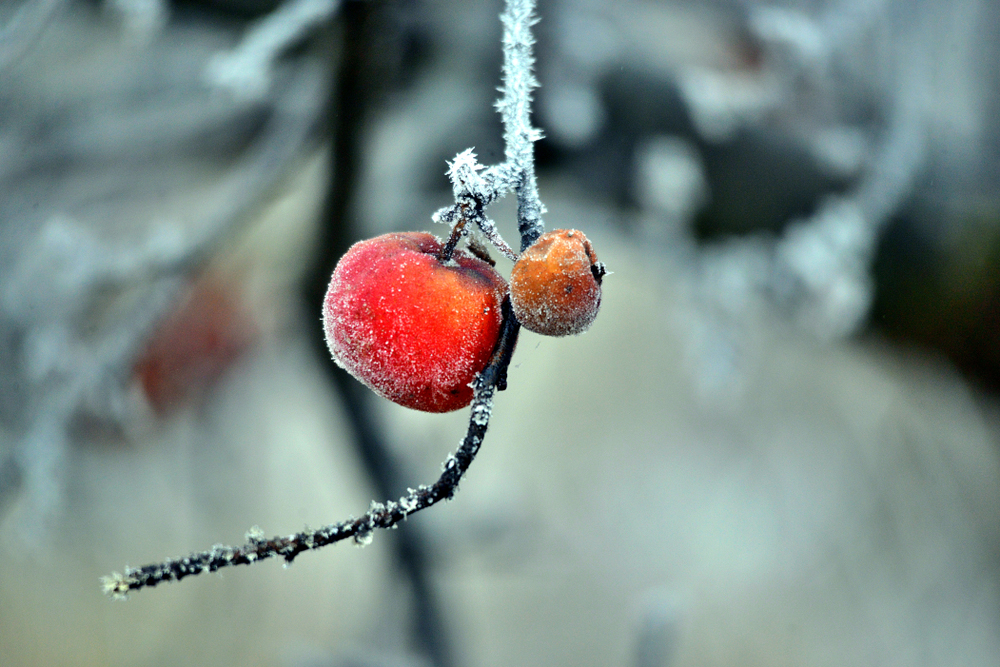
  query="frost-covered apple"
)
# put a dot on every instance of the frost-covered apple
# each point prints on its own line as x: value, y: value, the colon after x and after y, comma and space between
x: 412, y: 328
x: 555, y: 285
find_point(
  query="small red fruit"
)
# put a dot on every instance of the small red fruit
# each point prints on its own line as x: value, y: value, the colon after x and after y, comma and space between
x: 412, y: 328
x: 194, y: 346
x: 555, y: 285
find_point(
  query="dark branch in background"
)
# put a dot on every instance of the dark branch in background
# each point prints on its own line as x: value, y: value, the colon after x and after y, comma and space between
x: 516, y: 174
x: 361, y: 78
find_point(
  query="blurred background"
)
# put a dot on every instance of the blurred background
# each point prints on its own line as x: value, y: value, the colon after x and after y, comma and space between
x: 777, y: 445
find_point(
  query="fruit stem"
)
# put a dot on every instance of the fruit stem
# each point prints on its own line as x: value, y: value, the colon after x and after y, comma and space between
x: 448, y: 249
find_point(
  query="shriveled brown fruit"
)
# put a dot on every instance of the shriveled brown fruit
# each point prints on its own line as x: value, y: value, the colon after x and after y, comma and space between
x: 555, y: 285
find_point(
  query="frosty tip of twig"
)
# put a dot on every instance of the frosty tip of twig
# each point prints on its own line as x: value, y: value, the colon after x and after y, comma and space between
x: 463, y: 172
x: 115, y: 586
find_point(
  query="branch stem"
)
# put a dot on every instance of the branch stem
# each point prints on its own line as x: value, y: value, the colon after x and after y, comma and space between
x: 457, y: 231
x: 473, y: 190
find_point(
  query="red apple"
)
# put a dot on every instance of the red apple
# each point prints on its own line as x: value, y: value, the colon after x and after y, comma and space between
x: 412, y: 328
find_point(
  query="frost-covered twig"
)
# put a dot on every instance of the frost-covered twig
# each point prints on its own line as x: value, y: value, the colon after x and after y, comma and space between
x: 474, y: 190
x: 515, y: 108
x: 380, y: 515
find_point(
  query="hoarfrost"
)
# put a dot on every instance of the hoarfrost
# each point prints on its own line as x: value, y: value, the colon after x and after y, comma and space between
x: 463, y: 172
x: 481, y: 414
x: 254, y: 535
x: 408, y: 503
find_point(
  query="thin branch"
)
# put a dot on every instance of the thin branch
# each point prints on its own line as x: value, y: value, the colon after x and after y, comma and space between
x: 380, y: 515
x: 515, y: 107
x: 474, y: 190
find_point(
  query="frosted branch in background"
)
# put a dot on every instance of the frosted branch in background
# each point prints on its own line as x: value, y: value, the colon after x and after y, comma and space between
x: 819, y: 269
x: 247, y: 70
x: 474, y: 190
x: 101, y: 237
x: 823, y: 264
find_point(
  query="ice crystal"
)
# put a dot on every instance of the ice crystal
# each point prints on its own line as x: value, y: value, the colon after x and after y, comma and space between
x: 255, y: 534
x: 481, y: 414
